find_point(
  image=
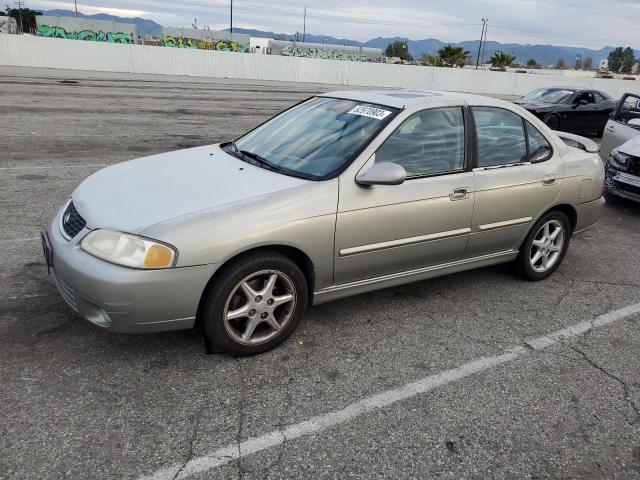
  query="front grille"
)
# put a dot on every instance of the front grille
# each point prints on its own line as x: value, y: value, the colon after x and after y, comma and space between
x: 72, y: 222
x: 634, y: 166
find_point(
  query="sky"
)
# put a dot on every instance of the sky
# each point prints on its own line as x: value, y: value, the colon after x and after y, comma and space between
x: 582, y: 23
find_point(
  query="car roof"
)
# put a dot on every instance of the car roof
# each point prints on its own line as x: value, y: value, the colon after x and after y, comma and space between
x: 410, y: 98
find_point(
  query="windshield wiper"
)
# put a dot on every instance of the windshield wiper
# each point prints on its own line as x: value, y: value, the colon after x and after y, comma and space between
x: 261, y: 161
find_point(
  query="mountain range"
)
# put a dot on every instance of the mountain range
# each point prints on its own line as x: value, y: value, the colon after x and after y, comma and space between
x: 544, y: 54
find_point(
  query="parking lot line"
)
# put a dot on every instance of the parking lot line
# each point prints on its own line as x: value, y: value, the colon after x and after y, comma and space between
x: 319, y: 423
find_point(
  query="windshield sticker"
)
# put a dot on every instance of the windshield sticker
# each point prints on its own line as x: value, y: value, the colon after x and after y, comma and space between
x: 371, y: 112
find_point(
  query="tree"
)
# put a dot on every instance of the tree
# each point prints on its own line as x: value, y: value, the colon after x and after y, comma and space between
x: 28, y: 18
x: 532, y: 63
x: 502, y: 60
x: 453, y: 56
x: 429, y: 60
x: 578, y: 63
x: 561, y: 65
x: 628, y: 60
x: 587, y: 64
x: 399, y: 49
x: 616, y: 59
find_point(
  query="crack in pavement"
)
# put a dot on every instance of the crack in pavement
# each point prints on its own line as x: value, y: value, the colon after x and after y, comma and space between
x: 625, y: 388
x: 194, y: 434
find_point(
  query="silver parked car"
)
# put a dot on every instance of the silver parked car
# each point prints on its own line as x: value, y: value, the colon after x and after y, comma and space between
x: 343, y: 193
x: 623, y: 125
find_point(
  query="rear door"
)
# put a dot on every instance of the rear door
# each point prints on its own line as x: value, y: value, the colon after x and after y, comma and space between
x: 617, y: 131
x: 516, y: 178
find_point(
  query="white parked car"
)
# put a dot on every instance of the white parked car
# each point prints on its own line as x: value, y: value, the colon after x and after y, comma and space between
x: 623, y: 125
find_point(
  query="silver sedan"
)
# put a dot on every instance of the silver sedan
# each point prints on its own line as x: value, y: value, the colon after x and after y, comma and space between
x: 343, y: 193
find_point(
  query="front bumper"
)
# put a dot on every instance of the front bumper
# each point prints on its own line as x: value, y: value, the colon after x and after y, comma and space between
x: 620, y: 188
x: 125, y: 300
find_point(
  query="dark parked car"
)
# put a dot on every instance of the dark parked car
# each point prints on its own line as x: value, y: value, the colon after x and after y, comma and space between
x: 569, y: 109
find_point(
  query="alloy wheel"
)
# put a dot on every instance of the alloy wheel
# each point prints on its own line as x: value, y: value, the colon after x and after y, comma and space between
x: 259, y: 307
x: 547, y: 246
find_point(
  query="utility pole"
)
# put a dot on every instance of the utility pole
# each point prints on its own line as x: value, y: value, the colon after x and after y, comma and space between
x: 484, y: 42
x: 231, y: 18
x: 484, y: 23
x: 75, y: 2
x: 20, y: 5
x: 304, y: 26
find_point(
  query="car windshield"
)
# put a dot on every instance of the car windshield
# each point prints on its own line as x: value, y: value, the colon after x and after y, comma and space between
x: 314, y: 139
x: 550, y: 95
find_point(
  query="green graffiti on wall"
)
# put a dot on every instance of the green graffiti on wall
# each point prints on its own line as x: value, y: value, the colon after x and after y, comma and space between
x: 204, y: 44
x: 312, y: 52
x: 90, y: 35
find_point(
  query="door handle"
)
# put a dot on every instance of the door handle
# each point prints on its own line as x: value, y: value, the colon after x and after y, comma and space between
x: 611, y: 128
x: 549, y: 180
x: 459, y: 194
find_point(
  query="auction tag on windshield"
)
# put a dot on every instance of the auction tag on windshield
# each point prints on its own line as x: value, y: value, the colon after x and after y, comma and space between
x: 371, y: 112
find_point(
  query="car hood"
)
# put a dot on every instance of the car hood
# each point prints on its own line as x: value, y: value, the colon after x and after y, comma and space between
x: 632, y: 147
x: 132, y: 196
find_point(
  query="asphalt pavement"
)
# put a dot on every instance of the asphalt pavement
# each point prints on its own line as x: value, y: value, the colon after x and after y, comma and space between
x: 452, y: 378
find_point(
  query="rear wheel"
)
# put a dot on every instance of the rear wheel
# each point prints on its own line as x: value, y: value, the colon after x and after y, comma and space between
x: 254, y: 304
x: 552, y: 121
x: 545, y: 247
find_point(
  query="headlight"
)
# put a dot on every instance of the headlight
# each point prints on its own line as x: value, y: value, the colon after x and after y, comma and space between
x: 620, y: 158
x: 128, y: 250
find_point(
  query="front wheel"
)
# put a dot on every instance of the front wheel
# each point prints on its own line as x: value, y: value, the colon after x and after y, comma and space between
x: 545, y: 247
x: 255, y: 304
x: 552, y: 121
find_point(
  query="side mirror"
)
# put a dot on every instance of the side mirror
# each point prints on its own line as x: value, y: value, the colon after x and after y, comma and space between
x: 634, y: 122
x: 383, y: 173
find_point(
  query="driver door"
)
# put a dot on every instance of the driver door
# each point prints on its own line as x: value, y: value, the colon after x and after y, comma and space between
x: 425, y: 221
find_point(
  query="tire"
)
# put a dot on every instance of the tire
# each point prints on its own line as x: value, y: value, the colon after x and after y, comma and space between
x: 242, y: 287
x: 552, y: 121
x: 554, y: 251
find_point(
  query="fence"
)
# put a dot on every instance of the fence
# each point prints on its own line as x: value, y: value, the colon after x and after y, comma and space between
x: 30, y: 51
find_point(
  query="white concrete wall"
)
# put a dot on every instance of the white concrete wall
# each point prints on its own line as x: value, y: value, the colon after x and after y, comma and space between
x: 30, y: 51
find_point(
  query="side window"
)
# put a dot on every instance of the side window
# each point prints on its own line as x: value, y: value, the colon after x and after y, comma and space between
x: 539, y: 148
x: 427, y: 143
x: 588, y: 96
x: 598, y: 97
x: 629, y: 108
x: 501, y: 139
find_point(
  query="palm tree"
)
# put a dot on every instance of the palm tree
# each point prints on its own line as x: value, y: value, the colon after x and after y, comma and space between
x: 451, y: 56
x: 502, y: 60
